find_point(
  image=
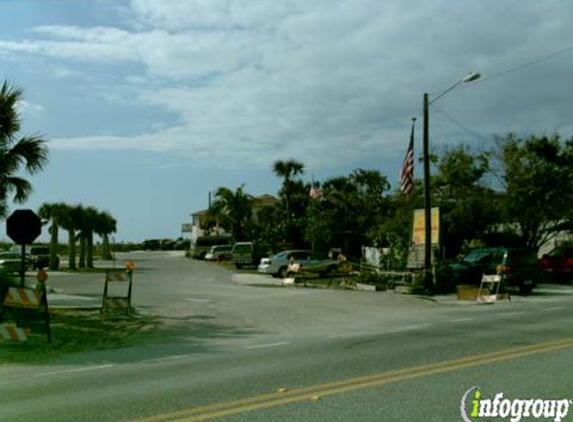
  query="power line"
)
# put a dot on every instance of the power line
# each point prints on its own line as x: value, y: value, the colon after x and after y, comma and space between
x: 498, y: 75
x: 461, y: 125
x: 527, y: 64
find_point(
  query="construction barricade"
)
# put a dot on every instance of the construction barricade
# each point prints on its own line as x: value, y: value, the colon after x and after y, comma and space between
x: 491, y: 283
x: 117, y: 290
x: 27, y: 308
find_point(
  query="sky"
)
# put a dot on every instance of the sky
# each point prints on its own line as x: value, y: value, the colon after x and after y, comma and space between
x: 148, y: 105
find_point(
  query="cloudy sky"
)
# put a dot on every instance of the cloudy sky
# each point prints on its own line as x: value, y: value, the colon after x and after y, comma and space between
x: 150, y: 104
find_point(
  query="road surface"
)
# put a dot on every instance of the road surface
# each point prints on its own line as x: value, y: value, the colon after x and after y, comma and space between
x: 229, y: 351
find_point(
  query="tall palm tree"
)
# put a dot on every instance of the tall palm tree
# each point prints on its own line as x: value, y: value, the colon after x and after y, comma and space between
x: 56, y: 213
x: 71, y: 223
x: 287, y: 170
x: 29, y: 151
x: 87, y: 225
x: 104, y: 226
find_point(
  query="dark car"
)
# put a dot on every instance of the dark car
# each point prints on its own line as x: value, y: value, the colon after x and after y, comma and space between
x: 247, y: 254
x: 558, y: 264
x: 518, y: 267
x: 40, y: 256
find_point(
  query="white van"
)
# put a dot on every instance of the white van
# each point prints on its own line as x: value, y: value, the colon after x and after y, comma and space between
x: 219, y: 253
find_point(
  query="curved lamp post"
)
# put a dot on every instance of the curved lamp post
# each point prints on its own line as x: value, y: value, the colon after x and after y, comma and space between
x: 428, y: 282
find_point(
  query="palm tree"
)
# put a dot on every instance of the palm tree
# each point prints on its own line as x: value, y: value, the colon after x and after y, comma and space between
x: 71, y: 222
x: 88, y: 222
x: 232, y: 210
x: 105, y: 225
x: 29, y: 151
x: 287, y: 170
x: 56, y: 213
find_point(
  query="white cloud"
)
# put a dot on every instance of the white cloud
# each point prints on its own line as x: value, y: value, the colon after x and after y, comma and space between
x: 25, y: 107
x: 328, y: 82
x: 180, y: 15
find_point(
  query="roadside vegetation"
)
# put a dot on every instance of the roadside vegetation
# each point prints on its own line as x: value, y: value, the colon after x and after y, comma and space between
x: 81, y: 223
x: 516, y: 194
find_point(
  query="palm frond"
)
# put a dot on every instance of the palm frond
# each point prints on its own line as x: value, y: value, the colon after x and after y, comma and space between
x: 30, y: 151
x: 10, y: 95
x: 20, y: 187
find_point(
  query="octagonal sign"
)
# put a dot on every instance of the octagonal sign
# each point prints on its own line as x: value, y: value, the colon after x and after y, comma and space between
x: 23, y: 226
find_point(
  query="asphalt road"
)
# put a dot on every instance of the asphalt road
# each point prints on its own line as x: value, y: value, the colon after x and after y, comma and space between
x: 229, y: 351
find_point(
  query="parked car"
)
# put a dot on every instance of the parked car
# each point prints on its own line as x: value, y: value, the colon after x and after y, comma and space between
x: 40, y: 256
x: 518, y: 267
x: 11, y: 262
x: 203, y: 244
x: 558, y: 264
x: 247, y: 254
x: 277, y: 264
x: 219, y: 253
x: 243, y: 254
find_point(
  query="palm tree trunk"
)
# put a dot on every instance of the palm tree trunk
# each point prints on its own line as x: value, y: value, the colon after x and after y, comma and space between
x: 90, y: 250
x: 72, y: 249
x: 105, y: 246
x: 82, y: 262
x: 53, y: 263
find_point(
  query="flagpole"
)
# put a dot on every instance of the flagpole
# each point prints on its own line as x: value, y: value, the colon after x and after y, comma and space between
x: 428, y: 281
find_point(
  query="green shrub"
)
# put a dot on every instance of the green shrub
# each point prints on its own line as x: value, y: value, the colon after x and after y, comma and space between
x: 445, y: 282
x: 418, y: 286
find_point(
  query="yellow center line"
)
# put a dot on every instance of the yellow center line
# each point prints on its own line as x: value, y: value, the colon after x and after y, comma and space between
x: 307, y: 393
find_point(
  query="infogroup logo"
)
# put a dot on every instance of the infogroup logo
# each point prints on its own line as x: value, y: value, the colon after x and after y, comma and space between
x: 474, y: 405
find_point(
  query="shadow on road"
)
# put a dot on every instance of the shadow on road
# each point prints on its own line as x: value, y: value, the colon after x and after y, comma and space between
x: 82, y: 337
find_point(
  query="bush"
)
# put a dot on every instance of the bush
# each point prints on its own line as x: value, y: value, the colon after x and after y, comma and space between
x: 418, y: 286
x: 373, y: 278
x: 445, y: 282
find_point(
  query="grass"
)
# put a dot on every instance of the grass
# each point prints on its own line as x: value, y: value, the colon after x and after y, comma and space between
x: 76, y: 331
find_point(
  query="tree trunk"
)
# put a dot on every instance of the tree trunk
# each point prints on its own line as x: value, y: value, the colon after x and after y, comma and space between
x: 72, y: 249
x: 82, y: 262
x: 106, y: 254
x: 53, y: 263
x: 90, y: 249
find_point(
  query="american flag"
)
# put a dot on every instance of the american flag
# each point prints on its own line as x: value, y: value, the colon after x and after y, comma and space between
x: 407, y: 174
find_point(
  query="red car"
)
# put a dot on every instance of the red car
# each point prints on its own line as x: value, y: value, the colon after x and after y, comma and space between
x: 558, y: 263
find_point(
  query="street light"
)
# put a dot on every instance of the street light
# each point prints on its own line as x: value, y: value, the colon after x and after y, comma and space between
x: 428, y: 282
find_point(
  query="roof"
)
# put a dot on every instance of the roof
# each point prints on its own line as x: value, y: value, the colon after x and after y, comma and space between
x: 200, y: 213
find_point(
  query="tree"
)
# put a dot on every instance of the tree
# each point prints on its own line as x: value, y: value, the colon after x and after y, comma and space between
x: 467, y: 208
x: 348, y: 212
x: 104, y: 226
x: 267, y: 228
x: 294, y: 195
x: 232, y: 209
x: 394, y: 231
x: 536, y: 172
x: 87, y: 226
x: 56, y: 213
x: 71, y: 223
x: 29, y: 151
